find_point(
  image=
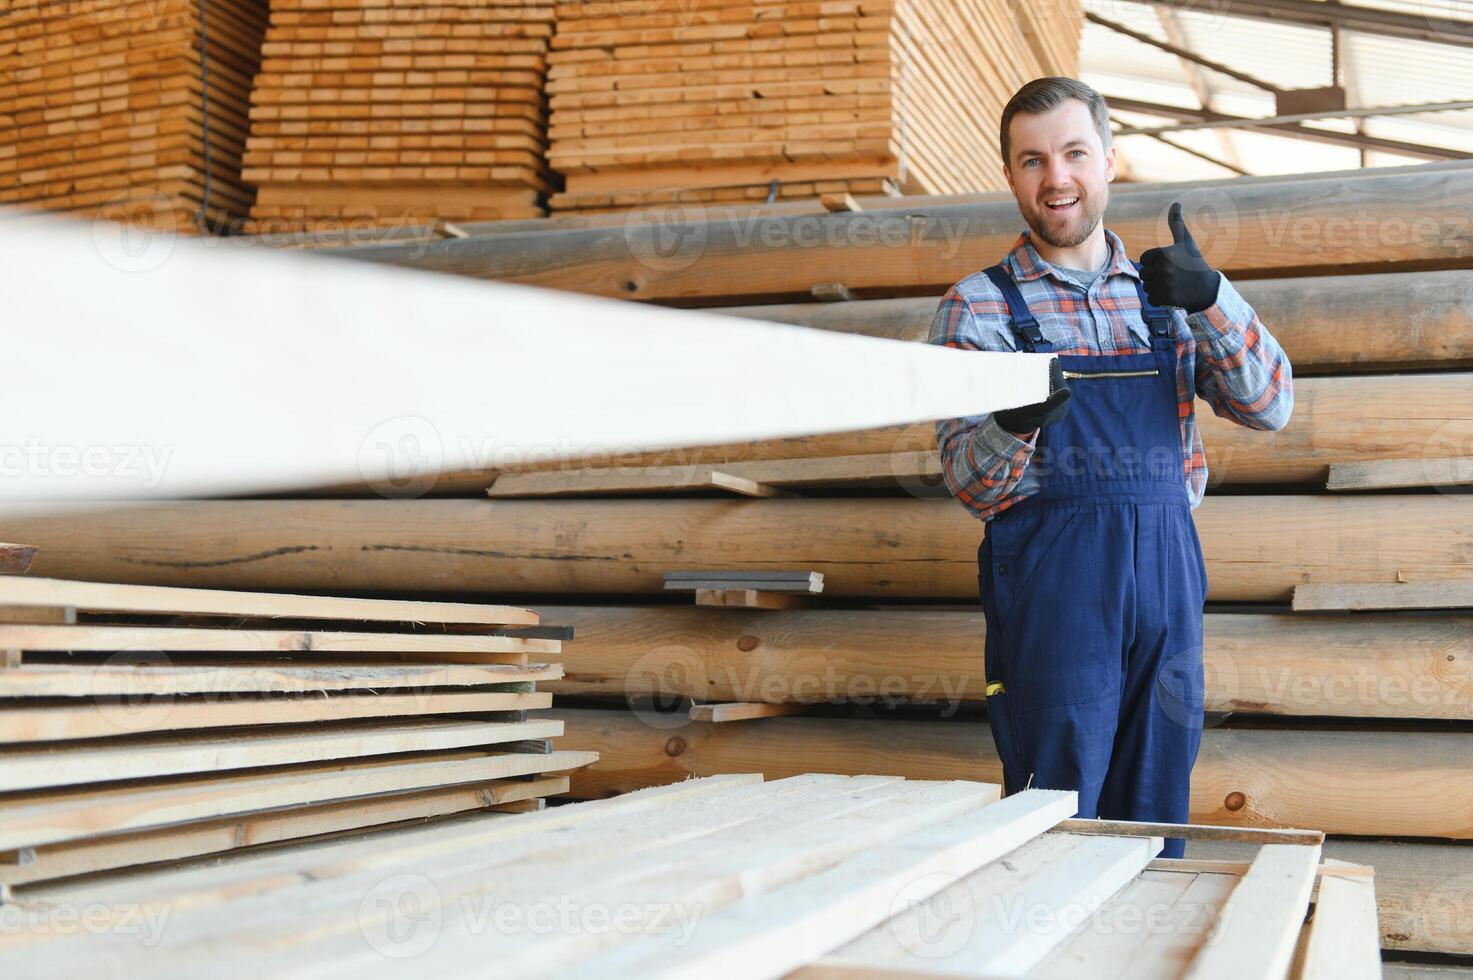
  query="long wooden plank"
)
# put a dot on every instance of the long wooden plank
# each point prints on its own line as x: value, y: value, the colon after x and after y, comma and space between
x: 1343, y: 935
x: 1399, y: 474
x: 136, y: 680
x: 1326, y: 324
x: 47, y: 766
x: 1259, y: 925
x: 105, y: 719
x: 1423, y: 888
x: 1257, y: 548
x: 38, y: 819
x: 99, y: 597
x: 1365, y: 596
x: 1367, y: 783
x: 772, y: 934
x: 457, y: 421
x: 181, y: 640
x: 1389, y: 666
x: 926, y: 250
x: 326, y: 642
x: 218, y: 836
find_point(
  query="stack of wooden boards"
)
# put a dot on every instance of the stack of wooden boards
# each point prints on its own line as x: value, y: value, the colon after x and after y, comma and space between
x: 385, y: 113
x: 828, y: 876
x: 1353, y: 723
x: 142, y: 724
x: 688, y: 102
x: 103, y: 108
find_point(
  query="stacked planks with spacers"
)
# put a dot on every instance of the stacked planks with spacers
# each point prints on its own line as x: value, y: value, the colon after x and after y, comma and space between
x: 133, y: 110
x: 752, y: 101
x: 374, y: 114
x: 141, y: 725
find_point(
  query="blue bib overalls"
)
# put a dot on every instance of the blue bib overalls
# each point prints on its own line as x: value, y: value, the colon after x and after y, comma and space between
x: 1093, y: 591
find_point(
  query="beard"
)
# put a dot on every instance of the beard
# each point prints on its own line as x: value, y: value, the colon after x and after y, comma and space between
x: 1065, y: 232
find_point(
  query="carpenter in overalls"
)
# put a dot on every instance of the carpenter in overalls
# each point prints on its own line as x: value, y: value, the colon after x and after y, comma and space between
x: 1091, y: 575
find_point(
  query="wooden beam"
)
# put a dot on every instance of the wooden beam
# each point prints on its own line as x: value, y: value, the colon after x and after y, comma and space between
x: 1391, y: 666
x: 232, y: 833
x: 1135, y: 828
x: 1343, y: 936
x: 1340, y: 782
x: 38, y: 819
x: 108, y: 718
x: 868, y: 468
x: 99, y: 597
x: 1364, y: 596
x: 1326, y: 324
x: 168, y: 755
x: 326, y: 643
x: 318, y: 678
x: 1258, y: 548
x: 1399, y: 474
x: 943, y: 245
x: 1256, y: 930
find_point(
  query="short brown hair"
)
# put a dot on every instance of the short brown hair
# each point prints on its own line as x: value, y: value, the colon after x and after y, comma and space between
x: 1043, y: 94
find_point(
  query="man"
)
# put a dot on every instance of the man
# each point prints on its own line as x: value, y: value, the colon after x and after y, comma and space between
x: 1091, y: 575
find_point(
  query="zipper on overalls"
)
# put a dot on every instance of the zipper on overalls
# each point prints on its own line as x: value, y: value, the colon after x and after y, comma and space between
x: 1071, y: 375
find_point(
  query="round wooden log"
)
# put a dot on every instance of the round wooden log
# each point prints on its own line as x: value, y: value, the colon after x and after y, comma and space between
x: 1406, y: 666
x: 1405, y: 784
x: 1257, y: 547
x: 1249, y: 229
x: 1326, y: 324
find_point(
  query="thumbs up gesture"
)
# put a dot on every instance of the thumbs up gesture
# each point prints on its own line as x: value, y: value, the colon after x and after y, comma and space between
x: 1177, y: 275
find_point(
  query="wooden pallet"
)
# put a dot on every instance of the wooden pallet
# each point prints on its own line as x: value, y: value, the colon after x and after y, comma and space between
x: 114, y: 114
x: 732, y: 876
x: 387, y: 115
x: 750, y: 101
x: 139, y: 724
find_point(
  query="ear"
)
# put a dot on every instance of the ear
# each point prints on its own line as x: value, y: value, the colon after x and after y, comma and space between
x: 1110, y: 164
x: 1007, y: 173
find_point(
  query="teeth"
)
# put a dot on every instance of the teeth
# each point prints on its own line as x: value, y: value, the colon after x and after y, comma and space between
x: 1062, y: 201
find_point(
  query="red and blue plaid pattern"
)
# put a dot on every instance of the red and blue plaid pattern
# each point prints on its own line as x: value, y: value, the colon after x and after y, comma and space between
x: 1225, y: 355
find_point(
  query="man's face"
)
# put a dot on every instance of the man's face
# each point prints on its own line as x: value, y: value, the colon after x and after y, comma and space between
x: 1057, y: 157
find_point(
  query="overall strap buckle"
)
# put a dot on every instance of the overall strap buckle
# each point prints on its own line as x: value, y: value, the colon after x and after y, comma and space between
x: 1024, y: 325
x: 1158, y: 318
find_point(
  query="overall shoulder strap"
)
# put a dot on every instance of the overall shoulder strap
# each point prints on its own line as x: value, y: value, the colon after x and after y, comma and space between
x: 1024, y: 325
x: 1158, y: 318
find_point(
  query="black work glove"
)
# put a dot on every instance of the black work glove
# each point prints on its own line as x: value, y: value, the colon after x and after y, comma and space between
x: 1023, y: 420
x: 1177, y: 275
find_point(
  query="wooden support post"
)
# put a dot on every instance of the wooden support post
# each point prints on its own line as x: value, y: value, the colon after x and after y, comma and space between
x: 1363, y: 596
x: 745, y: 487
x: 1394, y: 474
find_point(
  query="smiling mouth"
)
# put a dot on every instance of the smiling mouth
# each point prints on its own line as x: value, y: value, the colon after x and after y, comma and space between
x: 1059, y: 204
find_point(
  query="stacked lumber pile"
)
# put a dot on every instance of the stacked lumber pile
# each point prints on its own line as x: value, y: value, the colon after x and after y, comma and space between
x: 133, y: 110
x: 868, y: 875
x: 371, y: 113
x: 147, y: 724
x: 674, y: 102
x: 1346, y: 721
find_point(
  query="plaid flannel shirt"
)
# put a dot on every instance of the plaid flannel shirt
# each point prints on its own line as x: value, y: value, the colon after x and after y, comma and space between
x: 1225, y: 355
